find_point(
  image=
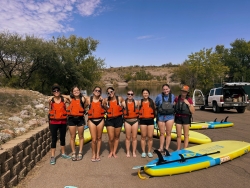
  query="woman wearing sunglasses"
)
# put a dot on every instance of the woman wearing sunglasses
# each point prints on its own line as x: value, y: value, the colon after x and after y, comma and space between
x: 130, y: 116
x: 57, y: 121
x: 114, y: 120
x: 165, y: 115
x: 146, y: 118
x: 96, y: 114
x: 76, y: 120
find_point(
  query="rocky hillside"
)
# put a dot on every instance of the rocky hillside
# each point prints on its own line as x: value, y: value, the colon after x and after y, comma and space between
x: 122, y: 76
x: 20, y: 111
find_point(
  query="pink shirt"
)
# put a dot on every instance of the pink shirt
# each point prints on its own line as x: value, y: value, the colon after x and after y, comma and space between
x: 189, y: 100
x: 58, y: 121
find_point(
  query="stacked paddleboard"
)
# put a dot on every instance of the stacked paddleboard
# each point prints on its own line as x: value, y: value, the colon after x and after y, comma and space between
x: 195, y: 158
x: 86, y: 136
x: 211, y: 124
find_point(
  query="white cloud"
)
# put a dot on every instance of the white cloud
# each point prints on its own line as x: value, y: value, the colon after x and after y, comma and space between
x: 43, y: 17
x: 144, y: 37
x: 87, y: 8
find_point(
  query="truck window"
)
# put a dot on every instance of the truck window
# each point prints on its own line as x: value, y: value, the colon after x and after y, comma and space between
x: 211, y: 92
x: 218, y: 91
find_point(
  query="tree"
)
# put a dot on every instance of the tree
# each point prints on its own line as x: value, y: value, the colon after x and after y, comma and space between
x: 143, y: 75
x: 21, y: 56
x: 202, y: 69
x: 80, y: 67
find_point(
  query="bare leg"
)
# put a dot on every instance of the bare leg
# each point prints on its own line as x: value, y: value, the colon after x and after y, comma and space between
x: 80, y: 134
x: 134, y: 138
x: 150, y: 137
x: 143, y: 137
x: 162, y: 134
x: 72, y: 130
x: 116, y: 142
x: 186, y: 135
x: 53, y: 150
x: 99, y: 138
x: 111, y: 134
x: 93, y: 132
x: 169, y: 126
x: 179, y: 133
x: 128, y: 129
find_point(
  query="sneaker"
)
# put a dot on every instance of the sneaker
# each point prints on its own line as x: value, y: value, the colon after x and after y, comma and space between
x: 65, y: 156
x: 150, y: 155
x: 143, y: 155
x: 52, y: 160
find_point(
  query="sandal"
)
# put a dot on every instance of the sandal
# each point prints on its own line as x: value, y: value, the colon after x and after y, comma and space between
x: 73, y: 157
x: 93, y: 160
x: 79, y: 156
x: 97, y: 159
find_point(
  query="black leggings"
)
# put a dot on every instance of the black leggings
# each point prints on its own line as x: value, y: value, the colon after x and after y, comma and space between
x: 53, y: 129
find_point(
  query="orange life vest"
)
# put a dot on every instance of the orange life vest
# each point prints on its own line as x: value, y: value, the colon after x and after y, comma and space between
x: 114, y: 108
x: 58, y: 110
x: 95, y: 109
x: 146, y: 111
x: 76, y: 108
x: 131, y: 111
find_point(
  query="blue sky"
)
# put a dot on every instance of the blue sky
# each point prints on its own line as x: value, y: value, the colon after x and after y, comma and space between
x: 133, y: 32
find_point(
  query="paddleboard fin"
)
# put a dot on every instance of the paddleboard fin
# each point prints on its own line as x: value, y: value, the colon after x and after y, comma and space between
x: 215, y: 119
x: 182, y: 160
x: 221, y: 121
x: 161, y: 160
x: 166, y: 152
x: 226, y: 119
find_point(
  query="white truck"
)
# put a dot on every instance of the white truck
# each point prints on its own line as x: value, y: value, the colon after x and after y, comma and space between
x: 229, y: 96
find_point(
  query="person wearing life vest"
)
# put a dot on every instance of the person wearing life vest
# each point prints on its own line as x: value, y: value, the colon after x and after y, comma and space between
x: 57, y: 121
x: 146, y: 119
x: 183, y: 113
x: 165, y: 115
x: 130, y: 116
x: 114, y: 120
x: 96, y: 114
x: 76, y: 121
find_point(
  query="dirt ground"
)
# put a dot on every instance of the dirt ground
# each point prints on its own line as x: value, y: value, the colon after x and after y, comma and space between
x: 118, y: 172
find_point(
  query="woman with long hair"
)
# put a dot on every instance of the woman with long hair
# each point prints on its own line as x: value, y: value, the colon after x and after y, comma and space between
x: 130, y: 116
x: 76, y: 120
x: 146, y: 119
x: 165, y: 115
x: 114, y: 120
x: 96, y: 114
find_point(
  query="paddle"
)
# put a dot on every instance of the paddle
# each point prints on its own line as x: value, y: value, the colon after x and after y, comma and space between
x: 162, y: 161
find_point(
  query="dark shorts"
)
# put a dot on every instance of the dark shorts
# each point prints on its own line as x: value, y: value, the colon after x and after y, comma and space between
x: 76, y: 121
x: 131, y: 122
x: 146, y: 121
x: 96, y: 121
x: 114, y: 122
x: 182, y: 120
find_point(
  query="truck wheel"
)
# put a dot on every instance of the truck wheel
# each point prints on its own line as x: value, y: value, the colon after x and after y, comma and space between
x: 216, y: 108
x: 202, y: 107
x: 240, y: 110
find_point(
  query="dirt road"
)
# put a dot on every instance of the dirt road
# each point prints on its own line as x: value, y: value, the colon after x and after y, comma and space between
x: 118, y: 172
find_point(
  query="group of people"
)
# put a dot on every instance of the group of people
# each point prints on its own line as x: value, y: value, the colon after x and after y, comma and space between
x: 114, y: 112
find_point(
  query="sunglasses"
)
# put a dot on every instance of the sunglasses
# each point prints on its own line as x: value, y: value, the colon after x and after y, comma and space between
x: 110, y: 92
x: 130, y: 94
x: 99, y: 91
x: 56, y: 90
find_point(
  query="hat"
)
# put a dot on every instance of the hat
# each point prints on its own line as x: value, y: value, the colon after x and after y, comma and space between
x: 55, y: 87
x: 185, y: 88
